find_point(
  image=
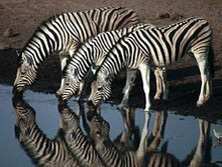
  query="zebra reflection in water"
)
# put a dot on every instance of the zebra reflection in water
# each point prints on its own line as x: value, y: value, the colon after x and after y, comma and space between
x: 78, y: 150
x: 43, y: 151
x: 76, y: 140
x: 111, y: 155
x: 156, y: 150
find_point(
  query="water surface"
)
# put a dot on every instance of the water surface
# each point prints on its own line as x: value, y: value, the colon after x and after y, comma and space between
x: 179, y: 135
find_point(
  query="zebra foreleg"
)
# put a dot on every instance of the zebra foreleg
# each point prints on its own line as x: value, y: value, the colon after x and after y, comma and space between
x: 130, y: 79
x: 145, y: 74
x: 161, y: 83
x: 159, y: 90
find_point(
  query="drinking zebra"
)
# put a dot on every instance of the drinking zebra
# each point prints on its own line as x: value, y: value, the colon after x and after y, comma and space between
x: 42, y: 150
x: 158, y: 46
x: 77, y: 142
x: 92, y: 53
x: 62, y: 35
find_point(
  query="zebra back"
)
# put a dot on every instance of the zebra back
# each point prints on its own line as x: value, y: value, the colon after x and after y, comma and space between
x: 167, y: 45
x: 42, y: 150
x: 116, y: 17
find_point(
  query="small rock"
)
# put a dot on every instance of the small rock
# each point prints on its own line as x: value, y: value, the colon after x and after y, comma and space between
x: 8, y: 32
x: 163, y: 15
x: 4, y: 46
x: 177, y: 17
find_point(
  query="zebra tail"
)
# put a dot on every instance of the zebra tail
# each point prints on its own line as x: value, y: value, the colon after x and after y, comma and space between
x: 211, y: 61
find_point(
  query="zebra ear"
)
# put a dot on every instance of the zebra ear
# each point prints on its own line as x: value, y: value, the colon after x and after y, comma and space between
x: 18, y: 52
x: 19, y: 57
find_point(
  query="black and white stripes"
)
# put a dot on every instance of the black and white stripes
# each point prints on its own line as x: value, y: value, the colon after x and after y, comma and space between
x: 42, y: 150
x: 159, y: 46
x: 63, y: 34
x: 90, y: 55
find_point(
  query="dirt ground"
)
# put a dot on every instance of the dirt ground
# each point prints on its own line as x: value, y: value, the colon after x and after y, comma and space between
x: 24, y: 16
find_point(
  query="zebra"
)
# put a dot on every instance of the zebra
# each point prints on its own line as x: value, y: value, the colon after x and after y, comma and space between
x: 42, y: 150
x: 109, y: 153
x: 158, y: 46
x: 92, y: 53
x: 63, y: 34
x: 76, y: 140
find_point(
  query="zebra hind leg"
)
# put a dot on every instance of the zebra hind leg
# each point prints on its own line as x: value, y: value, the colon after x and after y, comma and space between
x: 161, y: 83
x: 205, y: 80
x: 164, y: 83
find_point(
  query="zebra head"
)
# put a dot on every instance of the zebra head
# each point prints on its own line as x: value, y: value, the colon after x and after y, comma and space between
x: 26, y: 74
x: 99, y: 128
x: 25, y: 118
x: 72, y: 83
x: 100, y: 90
x: 69, y: 122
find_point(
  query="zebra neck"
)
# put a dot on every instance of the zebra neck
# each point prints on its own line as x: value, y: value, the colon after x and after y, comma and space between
x: 41, y: 149
x: 81, y: 67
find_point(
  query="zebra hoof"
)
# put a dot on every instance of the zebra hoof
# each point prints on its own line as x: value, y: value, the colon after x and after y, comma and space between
x: 147, y: 109
x: 203, y: 101
x: 200, y: 103
x: 157, y: 97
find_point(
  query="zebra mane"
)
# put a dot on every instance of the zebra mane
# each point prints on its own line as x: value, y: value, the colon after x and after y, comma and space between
x: 51, y: 18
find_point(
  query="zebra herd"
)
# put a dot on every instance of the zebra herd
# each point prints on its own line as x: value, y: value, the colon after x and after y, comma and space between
x: 107, y: 40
